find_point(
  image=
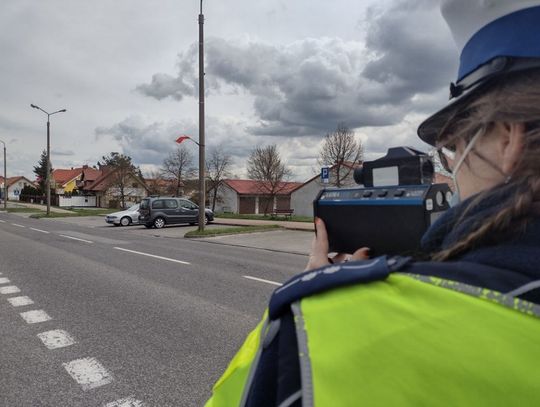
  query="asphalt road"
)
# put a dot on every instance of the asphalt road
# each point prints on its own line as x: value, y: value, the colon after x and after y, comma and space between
x: 119, y: 317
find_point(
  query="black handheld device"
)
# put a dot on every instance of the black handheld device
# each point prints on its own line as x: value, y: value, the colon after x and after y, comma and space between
x: 393, y: 209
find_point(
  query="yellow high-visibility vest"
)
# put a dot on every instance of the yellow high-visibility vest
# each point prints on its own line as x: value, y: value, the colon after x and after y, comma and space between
x: 405, y: 341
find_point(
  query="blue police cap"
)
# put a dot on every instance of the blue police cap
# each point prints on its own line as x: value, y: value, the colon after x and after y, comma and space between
x: 496, y: 37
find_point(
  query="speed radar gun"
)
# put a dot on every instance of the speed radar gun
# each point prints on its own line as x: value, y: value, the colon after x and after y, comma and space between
x: 391, y: 211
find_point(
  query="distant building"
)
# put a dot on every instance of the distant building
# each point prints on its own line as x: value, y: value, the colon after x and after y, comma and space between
x: 251, y: 197
x: 303, y: 196
x: 15, y: 186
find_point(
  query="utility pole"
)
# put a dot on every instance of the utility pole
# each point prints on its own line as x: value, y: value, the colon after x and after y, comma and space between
x: 48, y: 179
x: 202, y: 190
x: 5, y: 177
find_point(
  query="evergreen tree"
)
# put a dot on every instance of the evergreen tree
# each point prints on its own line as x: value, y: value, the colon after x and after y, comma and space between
x: 41, y: 172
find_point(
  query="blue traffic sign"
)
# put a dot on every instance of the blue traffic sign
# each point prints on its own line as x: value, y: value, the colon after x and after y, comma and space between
x: 325, y: 174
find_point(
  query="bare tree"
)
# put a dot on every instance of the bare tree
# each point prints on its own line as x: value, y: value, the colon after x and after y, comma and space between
x: 265, y: 165
x: 217, y: 170
x: 155, y: 183
x: 339, y: 149
x: 178, y: 166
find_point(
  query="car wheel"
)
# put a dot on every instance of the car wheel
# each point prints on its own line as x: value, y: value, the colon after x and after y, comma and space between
x: 125, y: 221
x: 206, y: 219
x: 159, y: 223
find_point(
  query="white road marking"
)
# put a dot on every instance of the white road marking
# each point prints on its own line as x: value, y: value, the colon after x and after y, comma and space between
x: 127, y: 402
x: 88, y: 372
x: 10, y: 289
x: 19, y: 226
x: 39, y: 230
x: 263, y: 280
x: 76, y: 238
x: 20, y: 301
x: 4, y: 280
x: 152, y: 255
x: 35, y: 316
x: 2, y: 221
x: 56, y: 338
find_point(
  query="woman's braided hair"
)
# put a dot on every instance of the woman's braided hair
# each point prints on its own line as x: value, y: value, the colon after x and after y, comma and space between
x: 513, y: 99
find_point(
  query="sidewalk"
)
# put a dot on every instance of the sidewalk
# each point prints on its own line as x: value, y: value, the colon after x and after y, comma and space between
x: 254, y: 222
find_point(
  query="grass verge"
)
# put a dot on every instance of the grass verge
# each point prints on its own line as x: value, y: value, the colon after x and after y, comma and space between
x: 23, y: 210
x: 293, y: 218
x: 230, y: 231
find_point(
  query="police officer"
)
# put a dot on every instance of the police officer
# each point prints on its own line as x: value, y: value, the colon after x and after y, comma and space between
x: 464, y: 328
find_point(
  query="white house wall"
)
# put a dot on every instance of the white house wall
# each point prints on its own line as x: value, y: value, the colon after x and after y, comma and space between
x: 77, y: 201
x: 302, y: 199
x: 227, y: 200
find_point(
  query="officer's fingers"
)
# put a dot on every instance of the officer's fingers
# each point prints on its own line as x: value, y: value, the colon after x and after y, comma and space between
x: 320, y: 244
x: 319, y: 247
x: 361, y: 254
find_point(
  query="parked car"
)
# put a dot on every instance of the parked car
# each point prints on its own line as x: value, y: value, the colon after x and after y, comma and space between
x: 166, y: 210
x: 124, y: 218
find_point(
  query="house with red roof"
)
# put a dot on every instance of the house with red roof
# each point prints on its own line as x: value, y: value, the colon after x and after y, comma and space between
x: 15, y: 186
x: 105, y: 186
x: 93, y: 187
x: 246, y: 196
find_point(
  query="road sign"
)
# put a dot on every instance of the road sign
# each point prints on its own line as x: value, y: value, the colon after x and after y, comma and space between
x: 325, y: 175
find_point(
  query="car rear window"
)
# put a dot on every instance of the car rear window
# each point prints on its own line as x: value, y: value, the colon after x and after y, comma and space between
x: 144, y: 204
x: 159, y: 204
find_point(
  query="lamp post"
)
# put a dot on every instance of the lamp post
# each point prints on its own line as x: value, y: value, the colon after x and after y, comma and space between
x: 48, y: 178
x: 5, y: 177
x: 202, y: 191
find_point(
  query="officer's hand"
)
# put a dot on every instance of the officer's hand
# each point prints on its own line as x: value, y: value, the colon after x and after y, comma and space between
x: 319, y: 250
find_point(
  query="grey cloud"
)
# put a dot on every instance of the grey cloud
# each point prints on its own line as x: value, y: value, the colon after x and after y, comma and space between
x: 148, y: 143
x: 306, y: 87
x: 413, y: 50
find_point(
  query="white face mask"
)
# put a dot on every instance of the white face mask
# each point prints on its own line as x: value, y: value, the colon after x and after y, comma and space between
x: 456, y: 198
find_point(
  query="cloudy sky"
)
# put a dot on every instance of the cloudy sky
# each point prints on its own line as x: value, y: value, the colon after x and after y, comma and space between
x: 283, y: 72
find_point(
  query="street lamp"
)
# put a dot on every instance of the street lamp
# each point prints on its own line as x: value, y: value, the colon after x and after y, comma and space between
x: 5, y: 177
x: 48, y: 179
x: 202, y: 191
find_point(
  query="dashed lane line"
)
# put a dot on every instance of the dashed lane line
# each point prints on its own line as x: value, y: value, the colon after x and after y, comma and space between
x: 4, y: 280
x: 20, y: 301
x: 262, y: 280
x: 88, y: 373
x: 2, y: 221
x: 127, y: 402
x: 10, y: 289
x: 19, y: 226
x: 76, y: 238
x: 39, y: 230
x: 56, y: 338
x: 152, y: 255
x: 35, y: 316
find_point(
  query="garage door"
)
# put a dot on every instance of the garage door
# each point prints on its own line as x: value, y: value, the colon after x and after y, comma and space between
x: 247, y: 205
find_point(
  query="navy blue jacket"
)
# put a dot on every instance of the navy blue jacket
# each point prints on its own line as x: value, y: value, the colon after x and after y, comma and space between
x: 502, y: 263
